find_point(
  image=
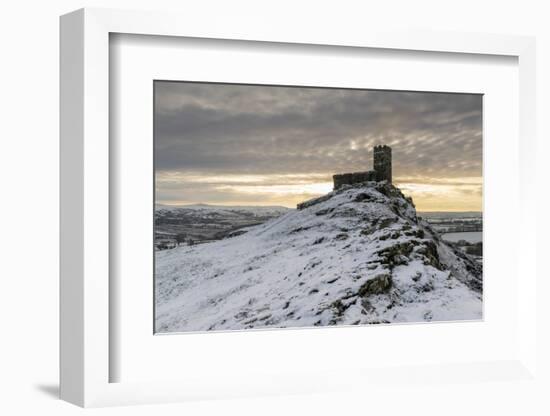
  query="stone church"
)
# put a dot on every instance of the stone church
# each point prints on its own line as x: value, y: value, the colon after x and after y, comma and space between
x: 381, y: 170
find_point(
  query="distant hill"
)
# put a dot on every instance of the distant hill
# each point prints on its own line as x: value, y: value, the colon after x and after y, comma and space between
x: 202, y: 222
x: 358, y: 255
x: 450, y: 214
x: 261, y: 210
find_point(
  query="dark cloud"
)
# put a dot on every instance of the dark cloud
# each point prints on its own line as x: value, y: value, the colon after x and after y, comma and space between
x: 266, y: 130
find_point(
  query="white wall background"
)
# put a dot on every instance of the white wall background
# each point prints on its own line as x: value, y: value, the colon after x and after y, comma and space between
x: 29, y: 208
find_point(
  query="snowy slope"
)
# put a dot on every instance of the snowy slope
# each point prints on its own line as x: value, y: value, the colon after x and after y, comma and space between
x: 358, y: 256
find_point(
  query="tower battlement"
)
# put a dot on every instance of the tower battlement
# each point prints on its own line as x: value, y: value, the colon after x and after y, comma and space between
x: 382, y: 170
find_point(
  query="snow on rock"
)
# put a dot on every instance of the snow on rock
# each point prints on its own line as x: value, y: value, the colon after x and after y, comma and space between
x: 358, y: 256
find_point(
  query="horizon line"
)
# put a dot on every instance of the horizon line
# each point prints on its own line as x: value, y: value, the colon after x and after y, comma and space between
x: 283, y: 206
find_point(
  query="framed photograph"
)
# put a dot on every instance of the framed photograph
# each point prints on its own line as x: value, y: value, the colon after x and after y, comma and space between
x: 253, y: 229
x: 240, y: 211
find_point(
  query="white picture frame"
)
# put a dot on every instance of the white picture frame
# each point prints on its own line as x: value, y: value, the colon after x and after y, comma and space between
x: 86, y: 304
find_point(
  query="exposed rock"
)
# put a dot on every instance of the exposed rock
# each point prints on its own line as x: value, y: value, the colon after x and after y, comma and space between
x: 323, y: 211
x: 431, y: 256
x: 393, y: 255
x: 314, y: 201
x: 367, y: 231
x: 377, y: 285
x: 339, y: 307
x: 363, y: 197
x: 418, y: 233
x: 386, y: 222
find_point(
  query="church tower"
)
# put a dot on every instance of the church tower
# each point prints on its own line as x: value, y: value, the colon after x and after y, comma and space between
x: 382, y: 163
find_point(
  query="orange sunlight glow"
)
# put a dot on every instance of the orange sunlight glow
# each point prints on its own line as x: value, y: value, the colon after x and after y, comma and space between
x: 429, y: 194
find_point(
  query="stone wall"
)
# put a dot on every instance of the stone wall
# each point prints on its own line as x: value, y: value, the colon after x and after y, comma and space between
x: 351, y: 178
x: 382, y: 170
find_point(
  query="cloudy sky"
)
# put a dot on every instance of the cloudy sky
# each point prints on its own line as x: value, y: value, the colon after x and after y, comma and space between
x: 260, y: 145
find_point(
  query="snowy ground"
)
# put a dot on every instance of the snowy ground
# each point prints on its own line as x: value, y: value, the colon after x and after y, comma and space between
x: 359, y: 257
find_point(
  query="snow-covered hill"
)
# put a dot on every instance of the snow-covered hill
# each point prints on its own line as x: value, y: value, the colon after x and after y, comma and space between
x: 222, y: 210
x: 356, y: 256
